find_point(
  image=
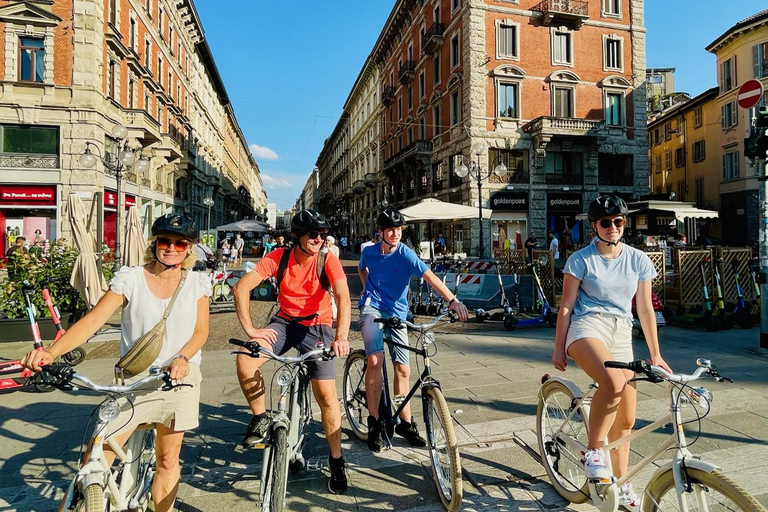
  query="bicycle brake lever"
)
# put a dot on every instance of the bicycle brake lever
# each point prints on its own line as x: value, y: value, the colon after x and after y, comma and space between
x: 250, y: 354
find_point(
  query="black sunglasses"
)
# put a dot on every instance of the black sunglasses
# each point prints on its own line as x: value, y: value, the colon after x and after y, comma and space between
x: 314, y: 234
x: 618, y: 222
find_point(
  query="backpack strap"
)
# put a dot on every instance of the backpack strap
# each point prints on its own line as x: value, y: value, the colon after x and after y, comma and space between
x: 282, y: 266
x: 321, y: 274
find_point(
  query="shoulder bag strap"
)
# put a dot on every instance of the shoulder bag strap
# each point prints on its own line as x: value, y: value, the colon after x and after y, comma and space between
x: 175, y: 294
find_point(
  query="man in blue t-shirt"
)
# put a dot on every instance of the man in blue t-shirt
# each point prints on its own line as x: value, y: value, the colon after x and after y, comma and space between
x: 385, y: 269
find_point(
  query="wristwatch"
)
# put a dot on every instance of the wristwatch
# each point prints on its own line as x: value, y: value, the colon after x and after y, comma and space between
x: 182, y: 356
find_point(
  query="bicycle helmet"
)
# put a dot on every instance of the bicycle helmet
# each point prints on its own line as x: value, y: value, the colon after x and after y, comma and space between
x: 606, y: 205
x: 307, y: 220
x: 177, y: 224
x: 390, y: 218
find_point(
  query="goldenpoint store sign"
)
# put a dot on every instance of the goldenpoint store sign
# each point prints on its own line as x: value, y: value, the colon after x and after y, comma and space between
x: 509, y: 201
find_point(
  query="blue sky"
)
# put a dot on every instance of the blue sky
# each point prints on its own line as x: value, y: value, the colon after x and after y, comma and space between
x: 289, y: 66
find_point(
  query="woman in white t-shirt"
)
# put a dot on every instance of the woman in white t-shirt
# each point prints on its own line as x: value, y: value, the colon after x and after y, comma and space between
x: 145, y: 292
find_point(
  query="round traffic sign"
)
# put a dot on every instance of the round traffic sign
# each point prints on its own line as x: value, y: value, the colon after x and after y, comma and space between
x: 750, y: 93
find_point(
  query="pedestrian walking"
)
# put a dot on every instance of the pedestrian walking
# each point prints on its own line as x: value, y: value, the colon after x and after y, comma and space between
x: 344, y: 242
x: 239, y: 246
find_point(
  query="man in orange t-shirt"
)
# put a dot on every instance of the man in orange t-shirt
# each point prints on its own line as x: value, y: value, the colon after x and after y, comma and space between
x: 305, y: 318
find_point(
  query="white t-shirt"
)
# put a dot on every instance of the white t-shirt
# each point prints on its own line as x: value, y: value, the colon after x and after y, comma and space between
x: 366, y: 244
x: 554, y: 245
x: 144, y: 310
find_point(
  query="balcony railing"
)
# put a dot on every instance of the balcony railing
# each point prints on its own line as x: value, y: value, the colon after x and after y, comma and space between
x: 433, y: 37
x: 146, y: 182
x: 615, y: 179
x: 556, y: 11
x: 562, y: 178
x: 30, y: 161
x: 407, y: 71
x: 387, y: 95
x: 131, y: 176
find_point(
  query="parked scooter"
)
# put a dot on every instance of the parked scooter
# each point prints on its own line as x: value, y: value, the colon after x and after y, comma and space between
x: 718, y: 311
x: 700, y: 315
x: 547, y: 315
x: 756, y: 305
x: 504, y: 308
x: 658, y: 309
x: 740, y: 311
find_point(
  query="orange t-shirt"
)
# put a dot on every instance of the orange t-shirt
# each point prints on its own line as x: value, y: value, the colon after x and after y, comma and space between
x: 300, y: 292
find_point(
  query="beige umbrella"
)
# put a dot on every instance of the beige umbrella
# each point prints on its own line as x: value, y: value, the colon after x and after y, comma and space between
x: 86, y: 277
x: 135, y: 244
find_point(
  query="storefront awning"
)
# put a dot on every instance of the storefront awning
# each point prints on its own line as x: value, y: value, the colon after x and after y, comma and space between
x: 678, y: 209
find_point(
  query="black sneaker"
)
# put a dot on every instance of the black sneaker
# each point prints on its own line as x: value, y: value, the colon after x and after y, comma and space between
x: 337, y: 482
x: 410, y: 432
x: 375, y: 442
x: 256, y: 431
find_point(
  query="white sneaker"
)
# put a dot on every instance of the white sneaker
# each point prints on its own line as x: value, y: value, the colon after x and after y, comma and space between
x: 594, y: 465
x: 628, y: 498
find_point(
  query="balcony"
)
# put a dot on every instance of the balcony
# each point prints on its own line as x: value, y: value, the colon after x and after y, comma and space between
x: 407, y: 71
x: 387, y: 95
x: 371, y: 179
x: 29, y: 161
x: 358, y: 186
x: 146, y: 182
x: 543, y: 129
x: 131, y: 176
x: 170, y: 147
x: 432, y: 38
x: 417, y: 152
x: 555, y: 12
x: 142, y: 126
x: 159, y: 187
x: 347, y: 192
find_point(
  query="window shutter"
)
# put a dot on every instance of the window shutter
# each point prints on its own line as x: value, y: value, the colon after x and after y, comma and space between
x: 702, y: 156
x: 722, y: 116
x: 722, y: 79
x: 735, y: 164
x: 725, y: 159
x: 734, y: 114
x: 756, y: 61
x: 734, y: 78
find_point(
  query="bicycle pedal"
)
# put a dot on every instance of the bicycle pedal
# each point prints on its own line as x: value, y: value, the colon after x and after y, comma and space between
x: 316, y: 464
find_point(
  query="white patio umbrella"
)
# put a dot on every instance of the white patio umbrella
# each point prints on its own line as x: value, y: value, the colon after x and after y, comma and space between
x: 434, y: 209
x: 86, y: 277
x: 135, y: 244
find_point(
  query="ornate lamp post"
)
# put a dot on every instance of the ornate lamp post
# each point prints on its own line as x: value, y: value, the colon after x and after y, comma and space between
x: 208, y: 201
x: 115, y: 165
x: 476, y: 172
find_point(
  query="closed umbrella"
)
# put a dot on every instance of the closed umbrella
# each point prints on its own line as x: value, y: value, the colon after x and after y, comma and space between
x: 135, y: 244
x: 86, y: 277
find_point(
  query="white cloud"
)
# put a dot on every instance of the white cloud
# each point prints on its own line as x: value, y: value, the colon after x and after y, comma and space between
x: 272, y: 183
x: 262, y: 152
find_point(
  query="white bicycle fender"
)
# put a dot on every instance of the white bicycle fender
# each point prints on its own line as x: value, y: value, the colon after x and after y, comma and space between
x: 573, y: 388
x: 699, y: 464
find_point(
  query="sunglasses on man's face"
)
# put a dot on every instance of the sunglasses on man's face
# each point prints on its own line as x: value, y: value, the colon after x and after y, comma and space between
x: 314, y: 234
x: 606, y: 223
x: 163, y: 244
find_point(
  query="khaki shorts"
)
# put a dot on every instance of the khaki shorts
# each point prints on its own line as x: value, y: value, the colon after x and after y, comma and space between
x: 178, y: 408
x: 614, y: 331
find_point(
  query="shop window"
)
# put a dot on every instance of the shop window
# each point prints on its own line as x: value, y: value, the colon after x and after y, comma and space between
x: 31, y: 59
x: 29, y: 139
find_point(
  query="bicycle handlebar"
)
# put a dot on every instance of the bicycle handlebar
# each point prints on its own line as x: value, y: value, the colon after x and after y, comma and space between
x: 395, y: 323
x: 64, y: 377
x: 658, y: 374
x: 254, y: 349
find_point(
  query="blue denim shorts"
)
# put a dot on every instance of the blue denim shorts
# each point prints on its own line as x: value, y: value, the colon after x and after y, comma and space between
x: 373, y: 335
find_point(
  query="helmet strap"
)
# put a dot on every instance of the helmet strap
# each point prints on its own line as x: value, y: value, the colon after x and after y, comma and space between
x: 165, y: 265
x: 604, y: 240
x: 303, y: 249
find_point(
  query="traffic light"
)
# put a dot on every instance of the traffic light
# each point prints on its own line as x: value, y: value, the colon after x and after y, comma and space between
x: 756, y: 145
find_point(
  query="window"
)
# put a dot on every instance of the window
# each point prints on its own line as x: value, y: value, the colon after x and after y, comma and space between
x: 668, y: 161
x: 668, y: 130
x: 422, y: 85
x: 436, y: 69
x: 731, y: 165
x: 112, y: 78
x: 729, y: 115
x: 455, y: 51
x: 508, y: 101
x: 506, y: 40
x: 131, y: 92
x: 563, y: 104
x: 699, y: 151
x: 760, y: 60
x: 455, y: 108
x: 400, y: 107
x: 160, y: 20
x: 561, y: 47
x: 436, y: 120
x: 436, y: 14
x: 409, y: 92
x: 700, y: 192
x: 728, y: 74
x: 611, y: 7
x: 113, y: 12
x: 656, y: 137
x: 679, y: 158
x: 612, y: 53
x: 681, y: 191
x: 422, y: 129
x: 29, y: 139
x: 614, y: 115
x: 147, y: 105
x: 658, y: 164
x: 170, y: 39
x: 147, y: 53
x: 159, y: 70
x: 132, y: 39
x: 31, y: 59
x: 697, y: 117
x: 455, y: 4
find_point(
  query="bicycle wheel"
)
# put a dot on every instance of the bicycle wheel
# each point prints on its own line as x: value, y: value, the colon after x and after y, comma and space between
x: 93, y: 500
x: 443, y: 449
x: 564, y: 468
x: 712, y: 492
x: 74, y: 356
x: 355, y: 401
x: 277, y: 474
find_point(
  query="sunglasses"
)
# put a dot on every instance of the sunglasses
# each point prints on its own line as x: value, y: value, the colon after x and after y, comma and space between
x: 162, y: 244
x: 314, y: 234
x: 618, y: 222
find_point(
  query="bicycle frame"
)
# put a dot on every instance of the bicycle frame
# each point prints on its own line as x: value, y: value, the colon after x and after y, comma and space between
x: 424, y: 381
x: 15, y: 366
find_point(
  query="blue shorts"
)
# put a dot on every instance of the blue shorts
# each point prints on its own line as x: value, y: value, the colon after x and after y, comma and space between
x: 302, y: 337
x: 373, y: 335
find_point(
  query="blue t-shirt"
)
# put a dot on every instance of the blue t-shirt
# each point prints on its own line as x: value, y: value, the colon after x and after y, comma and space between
x: 607, y: 286
x: 386, y: 288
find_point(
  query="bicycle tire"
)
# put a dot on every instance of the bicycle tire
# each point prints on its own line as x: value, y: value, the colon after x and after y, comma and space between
x: 74, y: 357
x: 555, y: 400
x: 443, y: 449
x: 355, y: 400
x: 278, y: 471
x: 93, y: 500
x: 661, y: 493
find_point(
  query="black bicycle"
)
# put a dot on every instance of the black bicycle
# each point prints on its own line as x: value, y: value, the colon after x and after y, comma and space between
x: 441, y: 437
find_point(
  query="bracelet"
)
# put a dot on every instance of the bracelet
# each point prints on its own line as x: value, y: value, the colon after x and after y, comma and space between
x: 452, y: 301
x: 182, y: 356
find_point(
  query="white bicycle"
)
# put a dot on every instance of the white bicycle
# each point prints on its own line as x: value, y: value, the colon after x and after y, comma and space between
x: 683, y: 484
x: 126, y: 485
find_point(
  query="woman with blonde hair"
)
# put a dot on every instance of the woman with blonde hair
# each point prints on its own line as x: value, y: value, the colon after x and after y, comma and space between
x: 145, y: 292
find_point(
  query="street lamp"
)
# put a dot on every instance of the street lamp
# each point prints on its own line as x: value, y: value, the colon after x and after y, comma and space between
x: 114, y: 165
x: 476, y: 172
x: 208, y: 201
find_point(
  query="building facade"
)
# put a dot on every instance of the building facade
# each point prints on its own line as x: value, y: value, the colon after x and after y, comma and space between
x: 495, y: 82
x: 74, y: 69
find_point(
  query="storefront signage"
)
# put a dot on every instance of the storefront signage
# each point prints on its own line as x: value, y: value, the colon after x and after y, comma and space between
x: 509, y: 201
x: 564, y: 203
x: 110, y: 199
x: 33, y: 195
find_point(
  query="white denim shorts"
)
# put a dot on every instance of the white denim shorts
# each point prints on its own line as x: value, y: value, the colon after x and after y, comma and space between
x: 614, y: 331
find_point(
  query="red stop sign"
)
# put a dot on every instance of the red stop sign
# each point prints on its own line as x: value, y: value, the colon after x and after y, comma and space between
x: 750, y: 93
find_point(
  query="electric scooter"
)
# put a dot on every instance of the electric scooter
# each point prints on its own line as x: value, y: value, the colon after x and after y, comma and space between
x: 756, y: 305
x: 699, y: 315
x: 739, y: 311
x: 547, y: 315
x: 658, y: 310
x: 504, y: 308
x: 719, y: 310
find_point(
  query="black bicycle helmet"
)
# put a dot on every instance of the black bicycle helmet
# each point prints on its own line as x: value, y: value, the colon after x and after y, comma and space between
x: 307, y: 220
x: 175, y: 223
x: 390, y: 217
x: 606, y: 205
